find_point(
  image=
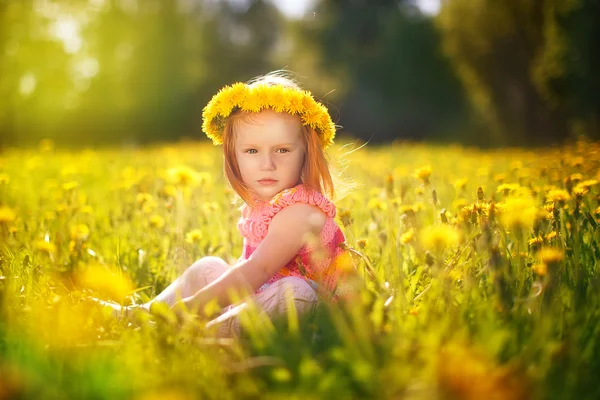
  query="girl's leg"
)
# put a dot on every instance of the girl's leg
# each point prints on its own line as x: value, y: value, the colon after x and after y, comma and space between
x: 272, y: 301
x: 194, y: 278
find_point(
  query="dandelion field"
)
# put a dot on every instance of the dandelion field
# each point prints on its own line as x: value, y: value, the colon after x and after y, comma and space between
x: 480, y: 269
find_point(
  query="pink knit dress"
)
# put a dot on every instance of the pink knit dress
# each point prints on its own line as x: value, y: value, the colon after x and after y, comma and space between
x: 320, y: 262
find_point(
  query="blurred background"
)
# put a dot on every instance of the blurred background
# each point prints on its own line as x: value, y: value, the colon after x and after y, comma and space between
x: 130, y: 72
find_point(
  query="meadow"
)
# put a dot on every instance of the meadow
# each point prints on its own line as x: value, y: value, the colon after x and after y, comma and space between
x: 480, y: 277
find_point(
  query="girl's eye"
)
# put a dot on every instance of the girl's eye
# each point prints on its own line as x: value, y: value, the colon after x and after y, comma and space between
x: 282, y: 151
x: 251, y: 151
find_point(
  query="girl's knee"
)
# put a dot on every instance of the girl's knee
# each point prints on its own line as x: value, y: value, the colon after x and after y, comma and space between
x: 208, y: 261
x: 206, y: 269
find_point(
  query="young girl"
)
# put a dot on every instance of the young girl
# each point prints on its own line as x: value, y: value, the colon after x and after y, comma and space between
x: 273, y: 136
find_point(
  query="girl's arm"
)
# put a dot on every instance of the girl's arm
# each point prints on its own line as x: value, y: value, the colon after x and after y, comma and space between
x: 287, y: 233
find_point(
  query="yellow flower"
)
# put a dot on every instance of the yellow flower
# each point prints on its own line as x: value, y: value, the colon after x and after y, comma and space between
x: 156, y: 221
x: 536, y: 241
x: 362, y: 243
x: 143, y: 198
x: 461, y: 183
x: 194, y: 236
x: 345, y: 217
x: 439, y: 237
x: 518, y: 212
x: 551, y: 235
x: 70, y: 186
x: 423, y: 173
x: 7, y: 215
x: 45, y: 246
x: 182, y: 176
x: 576, y: 177
x: 407, y: 236
x: 540, y: 269
x: 507, y: 188
x: 376, y: 203
x: 500, y: 178
x: 558, y: 196
x: 104, y: 280
x: 277, y: 98
x: 550, y: 255
x: 80, y: 232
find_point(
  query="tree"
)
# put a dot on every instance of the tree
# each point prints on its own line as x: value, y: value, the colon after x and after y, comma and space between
x: 396, y: 82
x: 512, y: 57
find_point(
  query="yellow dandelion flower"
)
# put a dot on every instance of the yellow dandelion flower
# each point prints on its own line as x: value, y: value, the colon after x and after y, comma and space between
x: 423, y: 173
x: 80, y: 232
x: 7, y: 215
x: 168, y: 191
x: 588, y: 183
x: 576, y: 177
x: 580, y: 191
x: 277, y: 98
x: 156, y: 221
x: 362, y: 243
x: 194, y: 236
x: 4, y: 179
x: 182, y: 176
x: 237, y: 94
x: 536, y: 241
x: 143, y: 198
x: 507, y: 188
x: 550, y: 255
x: 294, y: 105
x: 500, y: 178
x: 45, y: 246
x: 407, y: 236
x: 558, y: 196
x: 515, y: 165
x: 345, y: 217
x: 576, y: 161
x: 460, y: 183
x: 87, y: 210
x: 439, y: 237
x: 551, y: 235
x: 541, y: 269
x: 68, y: 186
x: 105, y: 280
x: 519, y: 212
x: 376, y: 203
x: 252, y: 103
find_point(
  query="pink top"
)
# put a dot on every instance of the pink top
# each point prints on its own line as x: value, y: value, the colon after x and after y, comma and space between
x: 314, y: 261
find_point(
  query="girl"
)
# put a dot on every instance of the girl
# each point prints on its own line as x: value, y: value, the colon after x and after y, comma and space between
x: 273, y: 136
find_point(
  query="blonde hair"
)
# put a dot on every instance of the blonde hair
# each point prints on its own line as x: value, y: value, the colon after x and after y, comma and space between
x: 315, y: 171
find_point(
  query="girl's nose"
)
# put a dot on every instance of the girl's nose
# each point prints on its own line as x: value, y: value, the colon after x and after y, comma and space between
x: 268, y: 163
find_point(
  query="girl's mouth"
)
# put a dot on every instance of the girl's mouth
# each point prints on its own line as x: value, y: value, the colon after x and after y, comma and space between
x: 267, y: 182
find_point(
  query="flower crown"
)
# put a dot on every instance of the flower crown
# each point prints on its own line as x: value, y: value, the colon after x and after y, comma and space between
x: 254, y: 98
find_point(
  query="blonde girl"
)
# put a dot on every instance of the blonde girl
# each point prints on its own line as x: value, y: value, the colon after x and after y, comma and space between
x: 273, y: 135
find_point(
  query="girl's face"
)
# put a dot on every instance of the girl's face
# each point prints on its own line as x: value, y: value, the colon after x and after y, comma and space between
x: 270, y: 152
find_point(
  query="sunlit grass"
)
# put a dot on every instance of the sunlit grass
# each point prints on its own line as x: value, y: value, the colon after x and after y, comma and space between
x: 480, y: 277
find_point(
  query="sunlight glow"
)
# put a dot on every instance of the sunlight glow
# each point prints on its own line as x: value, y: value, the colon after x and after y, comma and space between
x: 27, y: 84
x: 66, y: 29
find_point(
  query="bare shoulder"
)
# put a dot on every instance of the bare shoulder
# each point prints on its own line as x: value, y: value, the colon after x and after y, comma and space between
x: 304, y: 216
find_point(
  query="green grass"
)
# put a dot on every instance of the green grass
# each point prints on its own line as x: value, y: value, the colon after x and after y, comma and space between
x: 465, y: 295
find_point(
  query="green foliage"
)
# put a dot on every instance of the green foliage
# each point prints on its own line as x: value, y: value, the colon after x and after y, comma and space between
x: 392, y: 75
x: 99, y: 72
x: 518, y: 61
